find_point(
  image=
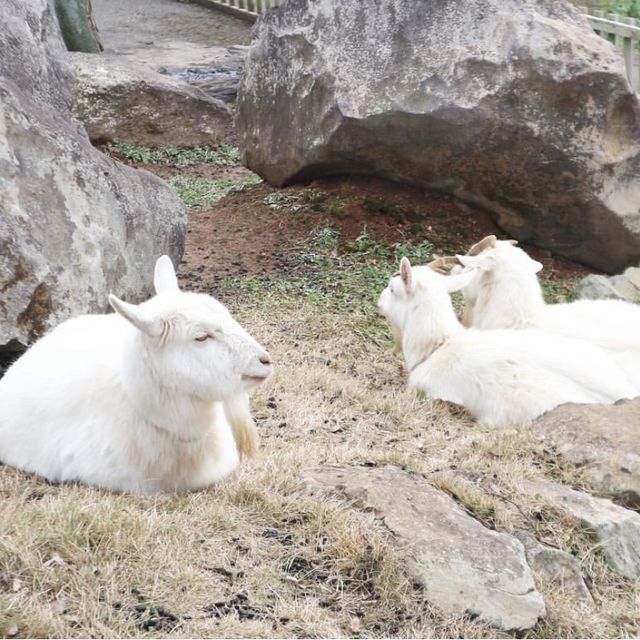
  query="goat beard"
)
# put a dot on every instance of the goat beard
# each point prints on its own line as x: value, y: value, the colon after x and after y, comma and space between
x: 397, y: 341
x: 243, y: 427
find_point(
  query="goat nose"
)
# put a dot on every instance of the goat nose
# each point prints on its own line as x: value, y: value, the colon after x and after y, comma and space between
x: 265, y: 360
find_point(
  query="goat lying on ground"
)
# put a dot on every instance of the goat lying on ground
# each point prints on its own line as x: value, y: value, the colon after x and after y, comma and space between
x: 501, y: 377
x: 506, y: 294
x: 147, y: 399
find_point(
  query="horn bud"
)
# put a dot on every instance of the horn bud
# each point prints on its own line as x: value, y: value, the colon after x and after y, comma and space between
x: 485, y: 243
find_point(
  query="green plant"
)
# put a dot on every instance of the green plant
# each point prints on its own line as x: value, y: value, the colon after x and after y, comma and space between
x: 223, y: 155
x: 624, y: 8
x: 201, y: 192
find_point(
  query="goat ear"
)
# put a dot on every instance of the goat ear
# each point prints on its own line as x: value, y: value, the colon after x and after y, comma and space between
x: 536, y: 266
x: 458, y: 281
x: 136, y: 316
x: 164, y: 276
x: 405, y: 273
x: 484, y: 261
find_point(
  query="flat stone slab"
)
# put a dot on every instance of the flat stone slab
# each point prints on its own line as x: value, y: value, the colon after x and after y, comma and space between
x: 617, y: 529
x: 604, y: 440
x: 122, y: 100
x: 465, y: 568
x: 214, y: 70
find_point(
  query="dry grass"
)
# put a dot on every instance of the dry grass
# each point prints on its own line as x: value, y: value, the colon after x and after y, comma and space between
x: 258, y: 556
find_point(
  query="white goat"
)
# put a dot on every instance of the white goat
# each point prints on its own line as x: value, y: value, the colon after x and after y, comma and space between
x: 147, y: 399
x: 506, y: 294
x: 502, y: 377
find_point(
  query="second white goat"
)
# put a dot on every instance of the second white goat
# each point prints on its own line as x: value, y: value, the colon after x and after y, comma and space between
x: 506, y: 294
x: 502, y: 377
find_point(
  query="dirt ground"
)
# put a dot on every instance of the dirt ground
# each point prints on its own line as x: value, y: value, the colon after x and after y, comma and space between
x: 241, y: 236
x: 128, y: 23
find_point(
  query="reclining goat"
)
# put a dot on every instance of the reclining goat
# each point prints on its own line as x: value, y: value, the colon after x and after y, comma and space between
x: 506, y: 294
x: 502, y: 377
x: 151, y: 398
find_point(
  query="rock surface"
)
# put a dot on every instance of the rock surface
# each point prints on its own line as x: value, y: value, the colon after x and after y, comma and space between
x: 617, y: 529
x: 214, y: 70
x: 555, y: 568
x: 120, y: 100
x: 603, y: 440
x: 625, y: 286
x: 465, y: 568
x: 516, y: 106
x: 74, y: 224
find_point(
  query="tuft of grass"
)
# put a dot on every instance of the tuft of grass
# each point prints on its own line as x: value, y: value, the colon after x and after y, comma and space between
x: 204, y: 192
x: 223, y: 155
x: 555, y: 290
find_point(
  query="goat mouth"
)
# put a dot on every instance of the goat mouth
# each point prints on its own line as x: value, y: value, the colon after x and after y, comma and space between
x: 247, y: 378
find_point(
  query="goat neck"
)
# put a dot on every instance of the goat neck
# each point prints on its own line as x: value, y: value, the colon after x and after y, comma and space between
x: 509, y: 297
x: 430, y: 324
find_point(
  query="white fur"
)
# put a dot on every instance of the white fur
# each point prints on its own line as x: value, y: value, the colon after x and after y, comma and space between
x: 502, y: 377
x: 132, y: 401
x: 506, y: 294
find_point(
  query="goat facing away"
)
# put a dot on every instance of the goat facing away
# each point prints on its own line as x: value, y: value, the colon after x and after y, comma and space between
x: 502, y: 377
x: 151, y: 398
x: 506, y: 294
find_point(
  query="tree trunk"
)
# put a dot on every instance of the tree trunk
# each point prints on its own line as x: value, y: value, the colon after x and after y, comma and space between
x: 79, y: 31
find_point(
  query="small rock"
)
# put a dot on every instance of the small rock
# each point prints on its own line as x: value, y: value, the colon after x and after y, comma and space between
x: 617, y: 529
x: 603, y: 440
x: 555, y: 567
x: 625, y: 286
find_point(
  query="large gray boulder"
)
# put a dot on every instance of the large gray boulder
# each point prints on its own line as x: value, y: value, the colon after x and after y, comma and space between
x: 74, y: 223
x: 602, y: 440
x: 512, y: 105
x: 465, y: 568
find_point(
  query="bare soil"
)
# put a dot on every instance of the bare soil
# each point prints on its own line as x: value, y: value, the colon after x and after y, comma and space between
x: 241, y: 234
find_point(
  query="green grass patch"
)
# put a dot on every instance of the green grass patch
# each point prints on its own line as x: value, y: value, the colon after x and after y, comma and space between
x: 223, y: 155
x: 203, y: 192
x: 332, y: 274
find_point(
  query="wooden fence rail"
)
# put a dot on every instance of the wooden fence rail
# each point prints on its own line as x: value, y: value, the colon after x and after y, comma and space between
x: 247, y: 9
x: 623, y: 32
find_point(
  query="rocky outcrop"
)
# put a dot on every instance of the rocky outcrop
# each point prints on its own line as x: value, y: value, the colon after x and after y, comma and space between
x: 465, y: 568
x: 616, y: 529
x: 625, y: 286
x: 516, y: 106
x: 121, y: 100
x: 74, y: 224
x: 603, y: 440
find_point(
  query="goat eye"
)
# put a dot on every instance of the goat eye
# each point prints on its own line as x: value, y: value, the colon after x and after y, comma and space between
x: 202, y: 338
